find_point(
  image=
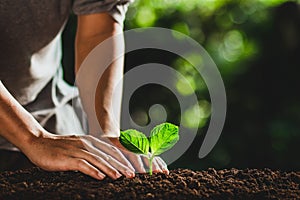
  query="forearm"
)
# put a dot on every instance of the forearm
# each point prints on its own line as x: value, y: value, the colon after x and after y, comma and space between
x: 56, y: 153
x: 16, y: 124
x: 107, y: 99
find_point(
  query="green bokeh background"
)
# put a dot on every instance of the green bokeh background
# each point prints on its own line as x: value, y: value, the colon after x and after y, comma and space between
x: 256, y: 46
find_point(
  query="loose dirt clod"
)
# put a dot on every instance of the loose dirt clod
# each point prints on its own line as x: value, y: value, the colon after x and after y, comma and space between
x: 179, y: 184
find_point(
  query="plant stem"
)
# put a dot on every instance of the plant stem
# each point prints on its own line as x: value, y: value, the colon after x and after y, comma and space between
x: 150, y: 165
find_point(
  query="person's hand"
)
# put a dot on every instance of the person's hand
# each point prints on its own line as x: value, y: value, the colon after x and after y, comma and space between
x: 140, y: 162
x: 86, y: 154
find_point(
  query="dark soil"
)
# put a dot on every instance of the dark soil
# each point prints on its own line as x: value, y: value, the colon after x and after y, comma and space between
x: 179, y: 184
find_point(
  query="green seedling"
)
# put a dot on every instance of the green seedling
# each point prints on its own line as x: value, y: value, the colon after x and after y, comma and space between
x: 162, y: 138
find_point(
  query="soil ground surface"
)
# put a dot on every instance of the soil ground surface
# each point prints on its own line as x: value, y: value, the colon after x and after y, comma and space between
x: 179, y: 184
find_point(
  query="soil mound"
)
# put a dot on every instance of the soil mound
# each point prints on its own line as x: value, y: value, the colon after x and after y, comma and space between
x: 179, y: 184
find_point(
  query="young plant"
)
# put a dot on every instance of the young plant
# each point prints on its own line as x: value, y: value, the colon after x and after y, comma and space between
x: 162, y: 138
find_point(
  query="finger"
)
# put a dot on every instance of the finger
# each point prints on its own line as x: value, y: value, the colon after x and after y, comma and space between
x: 163, y: 166
x: 84, y: 167
x: 155, y: 166
x: 136, y: 161
x: 98, y: 162
x: 111, y: 150
x: 93, y: 152
x: 145, y: 161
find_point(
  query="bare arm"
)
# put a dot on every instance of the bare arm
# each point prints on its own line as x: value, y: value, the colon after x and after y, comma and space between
x: 58, y: 153
x: 17, y: 125
x: 91, y: 31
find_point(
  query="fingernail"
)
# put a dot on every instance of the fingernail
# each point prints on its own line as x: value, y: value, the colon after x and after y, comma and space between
x: 141, y: 169
x: 129, y: 174
x: 101, y: 176
x: 158, y: 171
x: 118, y: 175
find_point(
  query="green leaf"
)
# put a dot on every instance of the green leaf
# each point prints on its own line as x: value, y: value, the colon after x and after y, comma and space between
x: 134, y: 141
x: 163, y: 137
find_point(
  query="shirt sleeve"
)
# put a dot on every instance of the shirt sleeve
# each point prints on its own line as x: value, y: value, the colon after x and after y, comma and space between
x: 116, y: 8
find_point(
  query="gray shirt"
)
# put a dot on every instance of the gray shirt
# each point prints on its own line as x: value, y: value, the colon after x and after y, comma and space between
x: 30, y: 59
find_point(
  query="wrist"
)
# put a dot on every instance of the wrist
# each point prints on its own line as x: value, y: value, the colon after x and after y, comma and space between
x: 116, y: 142
x: 30, y: 137
x: 103, y: 128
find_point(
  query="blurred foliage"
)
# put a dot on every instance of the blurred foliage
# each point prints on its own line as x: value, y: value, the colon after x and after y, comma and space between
x: 256, y: 46
x: 248, y: 40
x: 223, y: 27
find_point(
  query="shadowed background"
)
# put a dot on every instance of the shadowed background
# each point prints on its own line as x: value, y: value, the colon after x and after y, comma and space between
x: 256, y: 46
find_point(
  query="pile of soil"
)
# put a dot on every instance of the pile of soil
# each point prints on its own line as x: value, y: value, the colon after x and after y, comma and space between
x: 179, y: 184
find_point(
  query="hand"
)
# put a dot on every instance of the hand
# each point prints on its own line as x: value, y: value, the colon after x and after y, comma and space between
x: 140, y: 162
x: 87, y: 154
